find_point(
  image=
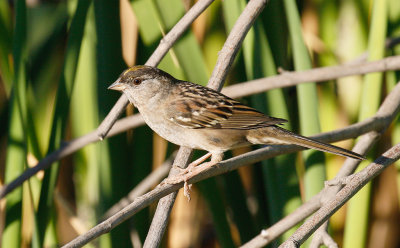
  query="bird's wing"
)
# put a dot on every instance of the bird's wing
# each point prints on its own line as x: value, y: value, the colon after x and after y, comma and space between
x: 206, y: 108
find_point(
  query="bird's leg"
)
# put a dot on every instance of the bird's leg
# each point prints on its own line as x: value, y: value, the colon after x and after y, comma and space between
x: 181, y: 176
x: 191, y: 171
x: 215, y: 159
x: 195, y: 163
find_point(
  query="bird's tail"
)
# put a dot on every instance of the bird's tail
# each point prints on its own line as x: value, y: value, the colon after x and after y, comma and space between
x: 278, y: 135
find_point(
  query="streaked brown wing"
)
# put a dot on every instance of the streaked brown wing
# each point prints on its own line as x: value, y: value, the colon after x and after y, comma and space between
x: 211, y: 109
x: 245, y: 117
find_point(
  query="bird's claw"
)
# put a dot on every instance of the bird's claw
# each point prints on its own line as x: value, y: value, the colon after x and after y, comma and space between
x: 186, y: 190
x: 183, y: 176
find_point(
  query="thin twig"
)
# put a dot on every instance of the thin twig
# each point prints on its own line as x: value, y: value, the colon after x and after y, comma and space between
x: 268, y: 235
x: 321, y: 237
x: 315, y: 75
x: 234, y: 41
x: 388, y: 111
x: 224, y: 61
x: 389, y: 107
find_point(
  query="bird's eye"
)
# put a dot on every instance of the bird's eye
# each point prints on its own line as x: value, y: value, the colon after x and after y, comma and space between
x: 137, y: 81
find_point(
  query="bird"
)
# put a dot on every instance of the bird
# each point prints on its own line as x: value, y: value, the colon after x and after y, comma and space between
x: 198, y: 117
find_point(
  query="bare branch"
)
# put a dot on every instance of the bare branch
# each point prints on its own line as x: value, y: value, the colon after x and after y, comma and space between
x: 234, y: 41
x: 268, y: 235
x: 160, y: 220
x: 321, y: 237
x: 138, y: 204
x: 390, y: 43
x: 315, y: 75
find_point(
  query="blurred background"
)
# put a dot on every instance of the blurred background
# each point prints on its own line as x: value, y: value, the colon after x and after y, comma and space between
x: 57, y: 59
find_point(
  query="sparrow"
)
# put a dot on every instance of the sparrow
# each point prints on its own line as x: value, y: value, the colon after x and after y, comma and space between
x: 194, y: 116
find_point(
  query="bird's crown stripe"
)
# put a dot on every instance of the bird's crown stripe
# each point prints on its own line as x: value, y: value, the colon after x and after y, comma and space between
x: 134, y: 68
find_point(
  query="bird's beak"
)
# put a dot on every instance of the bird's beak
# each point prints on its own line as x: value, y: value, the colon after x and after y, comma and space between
x: 117, y: 85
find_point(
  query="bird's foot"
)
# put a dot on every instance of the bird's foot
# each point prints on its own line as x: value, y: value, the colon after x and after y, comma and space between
x: 192, y: 170
x: 183, y: 176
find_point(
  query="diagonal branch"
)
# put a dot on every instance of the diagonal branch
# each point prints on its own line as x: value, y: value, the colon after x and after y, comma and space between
x: 314, y: 75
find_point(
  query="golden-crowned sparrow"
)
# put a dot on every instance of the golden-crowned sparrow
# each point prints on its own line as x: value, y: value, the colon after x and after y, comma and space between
x: 198, y: 117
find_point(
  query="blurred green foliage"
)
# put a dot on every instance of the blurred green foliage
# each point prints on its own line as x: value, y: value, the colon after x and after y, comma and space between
x: 58, y: 57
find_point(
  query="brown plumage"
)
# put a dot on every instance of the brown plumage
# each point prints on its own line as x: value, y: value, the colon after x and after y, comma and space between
x: 191, y: 115
x: 195, y: 109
